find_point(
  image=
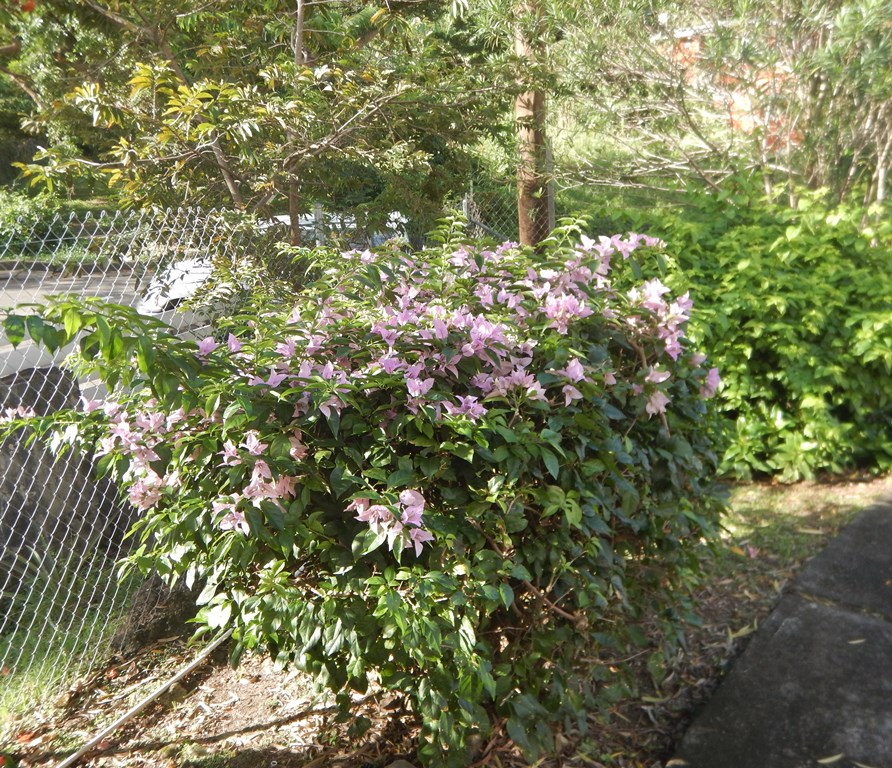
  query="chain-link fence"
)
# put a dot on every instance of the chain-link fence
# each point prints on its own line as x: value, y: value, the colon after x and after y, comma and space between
x: 491, y: 210
x: 61, y: 529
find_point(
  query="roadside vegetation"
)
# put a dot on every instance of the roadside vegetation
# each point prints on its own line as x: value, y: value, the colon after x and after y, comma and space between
x: 452, y: 467
x: 770, y: 530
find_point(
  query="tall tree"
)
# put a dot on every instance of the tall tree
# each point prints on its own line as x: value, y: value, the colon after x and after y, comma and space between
x: 533, y: 187
x: 259, y: 102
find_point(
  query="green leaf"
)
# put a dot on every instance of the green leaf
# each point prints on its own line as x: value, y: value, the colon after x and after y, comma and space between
x: 551, y: 463
x: 518, y: 734
x: 333, y: 418
x: 340, y: 481
x: 367, y: 541
x: 14, y: 328
x: 73, y: 320
x: 35, y: 327
x: 400, y: 479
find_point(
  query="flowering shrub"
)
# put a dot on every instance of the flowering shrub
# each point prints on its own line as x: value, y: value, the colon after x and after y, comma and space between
x: 451, y: 472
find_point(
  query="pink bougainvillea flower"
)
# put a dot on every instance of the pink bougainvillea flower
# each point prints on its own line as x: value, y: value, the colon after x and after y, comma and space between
x: 562, y: 309
x: 483, y: 381
x: 206, y: 346
x: 233, y: 520
x: 571, y: 394
x: 143, y: 455
x: 376, y: 515
x: 418, y: 536
x: 230, y: 455
x: 656, y: 377
x: 151, y: 422
x: 298, y: 450
x: 261, y: 470
x: 652, y: 295
x: 390, y: 364
x: 673, y: 346
x: 393, y: 530
x: 252, y: 444
x: 574, y: 370
x: 286, y: 348
x: 284, y: 486
x: 146, y: 492
x: 467, y: 406
x: 419, y: 387
x: 88, y: 406
x: 334, y: 403
x: 485, y: 294
x: 359, y: 505
x: 711, y: 385
x: 413, y: 507
x: 656, y: 403
x: 275, y: 378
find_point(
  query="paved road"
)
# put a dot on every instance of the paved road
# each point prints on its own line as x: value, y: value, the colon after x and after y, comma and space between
x: 814, y: 686
x: 116, y: 285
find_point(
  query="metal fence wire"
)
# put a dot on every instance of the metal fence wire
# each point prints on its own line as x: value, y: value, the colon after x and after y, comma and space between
x: 61, y: 529
x: 490, y: 209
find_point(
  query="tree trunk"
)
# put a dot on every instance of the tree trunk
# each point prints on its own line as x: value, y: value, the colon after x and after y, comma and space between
x: 533, y: 189
x: 294, y: 210
x: 293, y: 183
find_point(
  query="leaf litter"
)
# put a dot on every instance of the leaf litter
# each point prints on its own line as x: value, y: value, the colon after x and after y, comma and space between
x: 259, y: 716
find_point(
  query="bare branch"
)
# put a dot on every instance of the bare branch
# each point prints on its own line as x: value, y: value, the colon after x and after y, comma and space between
x: 23, y: 85
x: 116, y: 18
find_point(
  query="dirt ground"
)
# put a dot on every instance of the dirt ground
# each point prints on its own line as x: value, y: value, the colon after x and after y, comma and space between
x: 257, y: 716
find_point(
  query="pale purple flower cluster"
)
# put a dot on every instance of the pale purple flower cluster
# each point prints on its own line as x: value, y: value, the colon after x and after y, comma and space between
x: 448, y: 362
x: 19, y: 412
x: 402, y: 520
x: 670, y: 317
x: 137, y: 436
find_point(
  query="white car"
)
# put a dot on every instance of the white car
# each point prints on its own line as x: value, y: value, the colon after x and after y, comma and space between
x: 180, y: 280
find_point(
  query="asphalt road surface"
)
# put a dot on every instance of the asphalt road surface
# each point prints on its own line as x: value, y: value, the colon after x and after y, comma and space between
x: 18, y: 287
x: 115, y: 284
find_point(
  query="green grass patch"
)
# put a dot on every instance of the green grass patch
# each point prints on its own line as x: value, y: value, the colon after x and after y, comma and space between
x: 60, y: 620
x: 790, y: 523
x: 47, y: 664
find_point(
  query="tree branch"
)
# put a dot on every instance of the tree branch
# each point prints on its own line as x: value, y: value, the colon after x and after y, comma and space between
x: 10, y: 49
x: 23, y: 85
x: 116, y: 18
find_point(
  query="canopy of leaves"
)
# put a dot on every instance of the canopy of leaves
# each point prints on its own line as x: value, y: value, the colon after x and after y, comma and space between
x: 218, y: 103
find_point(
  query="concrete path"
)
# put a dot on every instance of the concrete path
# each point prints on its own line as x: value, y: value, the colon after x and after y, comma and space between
x: 814, y: 686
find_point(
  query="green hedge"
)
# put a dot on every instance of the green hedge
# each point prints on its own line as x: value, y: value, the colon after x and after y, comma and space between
x: 795, y: 308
